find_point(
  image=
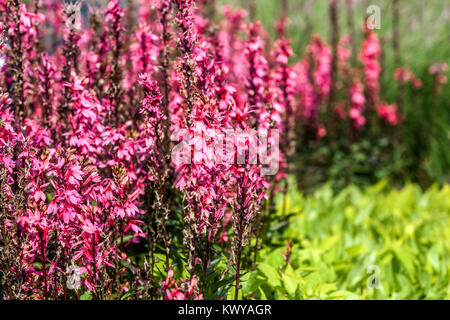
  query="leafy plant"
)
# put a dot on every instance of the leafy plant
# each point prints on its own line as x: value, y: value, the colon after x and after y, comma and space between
x: 336, y: 237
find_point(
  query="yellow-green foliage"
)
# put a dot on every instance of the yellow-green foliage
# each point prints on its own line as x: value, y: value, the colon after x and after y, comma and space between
x: 337, y: 237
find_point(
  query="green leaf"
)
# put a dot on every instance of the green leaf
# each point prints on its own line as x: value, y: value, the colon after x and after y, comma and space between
x: 356, y: 250
x: 271, y: 274
x: 433, y: 257
x: 87, y: 295
x: 290, y: 284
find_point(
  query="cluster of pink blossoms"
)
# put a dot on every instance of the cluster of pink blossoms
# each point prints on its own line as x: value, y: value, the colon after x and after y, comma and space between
x: 186, y: 291
x: 404, y: 75
x: 358, y: 101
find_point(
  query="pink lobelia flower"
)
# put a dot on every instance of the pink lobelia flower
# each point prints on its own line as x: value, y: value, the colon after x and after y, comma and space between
x: 388, y: 113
